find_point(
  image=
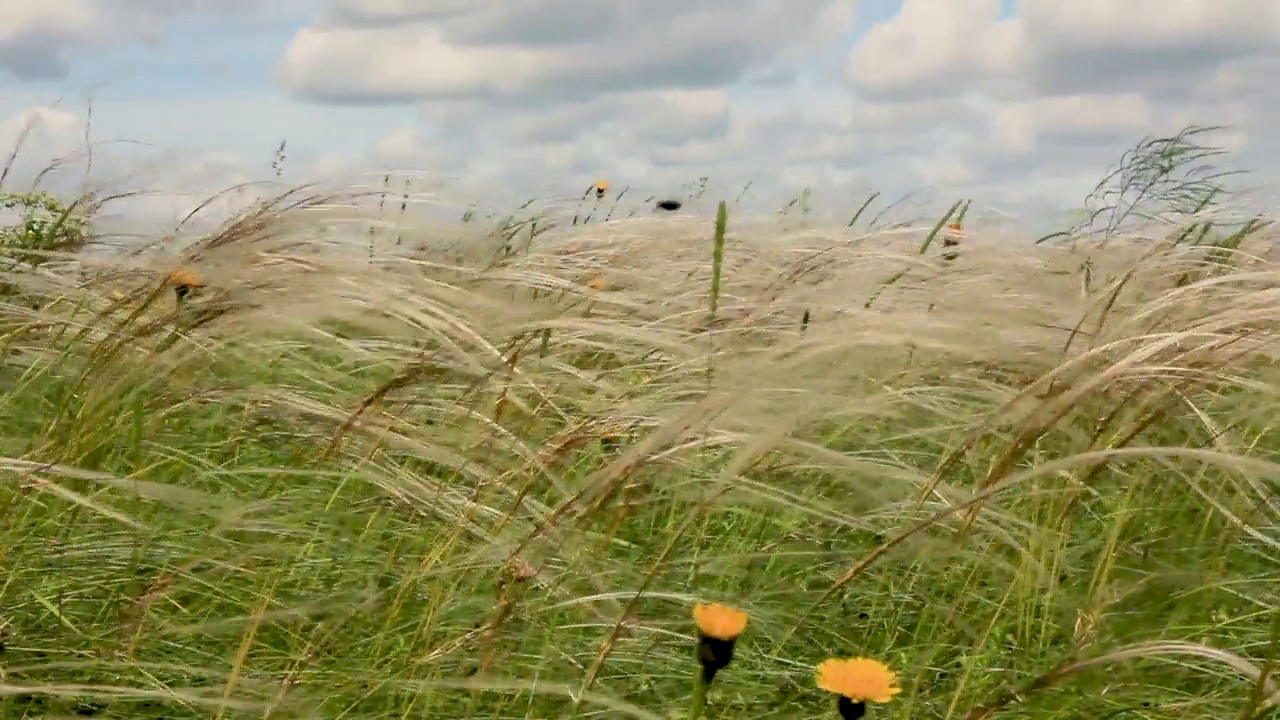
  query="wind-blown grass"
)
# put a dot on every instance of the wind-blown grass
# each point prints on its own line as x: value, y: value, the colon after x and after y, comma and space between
x: 1038, y: 481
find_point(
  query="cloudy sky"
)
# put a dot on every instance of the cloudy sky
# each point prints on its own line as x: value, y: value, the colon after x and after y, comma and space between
x: 1019, y: 103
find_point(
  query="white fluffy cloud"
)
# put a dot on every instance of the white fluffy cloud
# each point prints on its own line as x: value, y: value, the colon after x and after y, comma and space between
x: 50, y: 152
x: 1062, y: 85
x: 52, y: 132
x: 1050, y: 47
x: 541, y: 96
x: 41, y: 39
x: 935, y: 47
x: 391, y: 50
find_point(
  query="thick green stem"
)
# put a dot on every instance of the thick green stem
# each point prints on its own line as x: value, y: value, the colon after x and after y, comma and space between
x: 699, y: 696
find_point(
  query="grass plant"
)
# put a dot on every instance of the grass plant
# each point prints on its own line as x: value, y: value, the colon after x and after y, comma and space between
x: 1034, y: 480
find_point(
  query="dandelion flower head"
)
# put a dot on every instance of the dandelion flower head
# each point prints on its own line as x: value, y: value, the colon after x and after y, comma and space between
x: 859, y: 679
x: 719, y: 622
x: 185, y: 277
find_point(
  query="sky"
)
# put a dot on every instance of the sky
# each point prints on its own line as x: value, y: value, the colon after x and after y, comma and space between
x: 1019, y: 104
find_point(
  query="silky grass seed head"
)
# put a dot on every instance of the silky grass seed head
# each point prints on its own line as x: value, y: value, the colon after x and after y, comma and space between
x: 857, y: 681
x: 718, y: 629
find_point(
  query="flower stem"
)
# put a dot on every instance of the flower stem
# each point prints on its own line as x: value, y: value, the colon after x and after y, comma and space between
x: 699, y: 696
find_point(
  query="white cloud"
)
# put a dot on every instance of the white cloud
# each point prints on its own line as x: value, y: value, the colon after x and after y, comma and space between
x: 1063, y: 86
x: 933, y: 47
x: 163, y: 187
x: 1056, y: 47
x: 1240, y: 26
x: 40, y: 39
x: 565, y: 48
x: 24, y: 18
x: 1113, y: 118
x: 51, y: 131
x: 1157, y: 47
x: 539, y: 97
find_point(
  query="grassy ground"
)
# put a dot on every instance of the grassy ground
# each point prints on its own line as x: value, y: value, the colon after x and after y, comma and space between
x: 1038, y: 483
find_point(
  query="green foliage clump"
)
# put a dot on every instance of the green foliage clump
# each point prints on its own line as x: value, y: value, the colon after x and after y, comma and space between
x: 45, y: 225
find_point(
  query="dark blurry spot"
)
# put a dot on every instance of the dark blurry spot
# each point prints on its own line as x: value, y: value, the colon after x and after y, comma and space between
x: 669, y: 205
x: 89, y: 709
x: 1062, y: 578
x: 863, y: 616
x: 30, y: 704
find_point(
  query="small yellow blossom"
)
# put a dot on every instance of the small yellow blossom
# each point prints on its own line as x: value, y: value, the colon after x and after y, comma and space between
x: 182, y: 277
x: 719, y: 622
x: 858, y: 679
x: 184, y: 282
x: 718, y: 629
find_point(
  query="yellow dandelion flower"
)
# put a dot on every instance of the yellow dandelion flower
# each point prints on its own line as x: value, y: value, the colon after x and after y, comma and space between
x: 184, y: 282
x: 953, y: 235
x: 602, y: 187
x: 182, y: 277
x: 719, y: 622
x: 857, y: 681
x: 718, y: 629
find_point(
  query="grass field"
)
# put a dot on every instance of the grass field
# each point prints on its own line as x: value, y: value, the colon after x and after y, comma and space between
x: 1036, y: 481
